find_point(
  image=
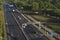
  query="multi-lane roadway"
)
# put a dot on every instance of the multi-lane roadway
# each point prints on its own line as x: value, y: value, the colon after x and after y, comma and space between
x: 12, y: 28
x: 31, y: 32
x: 14, y: 21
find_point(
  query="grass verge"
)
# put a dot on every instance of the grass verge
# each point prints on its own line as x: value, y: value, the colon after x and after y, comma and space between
x: 40, y: 18
x: 53, y: 26
x: 1, y: 23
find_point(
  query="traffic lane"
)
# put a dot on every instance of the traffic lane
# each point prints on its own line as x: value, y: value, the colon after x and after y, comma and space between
x: 5, y: 8
x: 28, y: 26
x: 34, y: 34
x: 8, y: 17
x: 34, y: 29
x: 16, y: 30
x: 16, y: 33
x: 11, y: 35
x: 8, y: 35
x: 17, y: 15
x: 21, y: 16
x: 13, y: 28
x: 5, y: 13
x: 39, y: 33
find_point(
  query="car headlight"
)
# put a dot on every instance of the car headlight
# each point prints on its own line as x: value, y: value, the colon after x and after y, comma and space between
x: 13, y: 10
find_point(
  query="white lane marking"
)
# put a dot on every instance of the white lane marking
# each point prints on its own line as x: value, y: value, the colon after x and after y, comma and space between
x: 19, y: 17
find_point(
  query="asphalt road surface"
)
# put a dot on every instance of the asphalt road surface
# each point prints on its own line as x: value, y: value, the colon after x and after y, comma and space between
x: 32, y: 33
x: 12, y: 28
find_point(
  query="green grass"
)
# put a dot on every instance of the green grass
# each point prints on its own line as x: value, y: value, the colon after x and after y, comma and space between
x: 40, y: 18
x: 1, y: 23
x: 53, y: 26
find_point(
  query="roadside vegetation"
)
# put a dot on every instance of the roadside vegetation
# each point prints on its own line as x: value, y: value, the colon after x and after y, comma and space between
x: 1, y: 22
x: 48, y: 11
x: 55, y: 27
x: 52, y: 24
x: 40, y: 18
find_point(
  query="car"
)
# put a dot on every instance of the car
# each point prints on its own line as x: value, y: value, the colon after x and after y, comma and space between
x: 13, y: 10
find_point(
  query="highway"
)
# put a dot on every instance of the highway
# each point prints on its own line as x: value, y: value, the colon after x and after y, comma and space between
x: 32, y: 33
x: 13, y: 29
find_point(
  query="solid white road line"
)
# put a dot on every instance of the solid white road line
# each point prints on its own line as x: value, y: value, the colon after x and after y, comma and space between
x: 20, y: 27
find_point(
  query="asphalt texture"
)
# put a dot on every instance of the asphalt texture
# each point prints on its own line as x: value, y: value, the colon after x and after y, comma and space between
x: 12, y: 28
x: 30, y: 31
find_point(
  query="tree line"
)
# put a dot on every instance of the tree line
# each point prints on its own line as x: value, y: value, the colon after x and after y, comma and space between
x: 37, y: 5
